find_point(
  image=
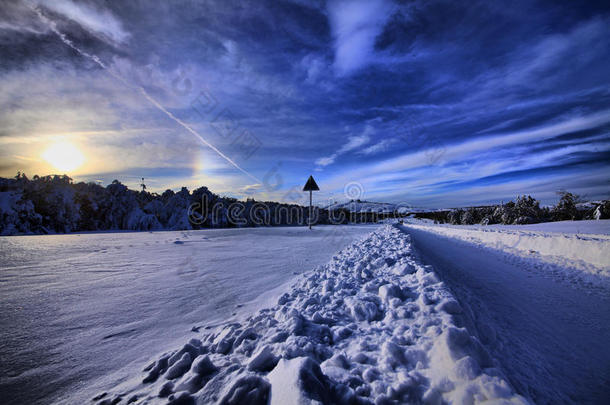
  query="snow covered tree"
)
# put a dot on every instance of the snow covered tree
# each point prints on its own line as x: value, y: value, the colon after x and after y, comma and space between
x: 51, y: 204
x: 566, y: 207
x: 455, y: 216
x: 469, y: 216
x: 527, y: 210
x: 508, y: 213
x: 602, y: 210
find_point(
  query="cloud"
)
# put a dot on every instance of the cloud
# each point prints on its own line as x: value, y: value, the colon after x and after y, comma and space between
x: 355, y: 24
x: 250, y: 189
x: 464, y: 149
x: 297, y: 75
x: 314, y: 66
x: 539, y: 66
x: 21, y: 25
x: 97, y: 21
x: 378, y: 147
x: 15, y: 16
x: 325, y: 161
x: 476, y: 158
x: 353, y: 142
x: 92, y: 111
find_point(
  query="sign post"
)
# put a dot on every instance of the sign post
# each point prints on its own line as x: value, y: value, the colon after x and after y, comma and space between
x: 310, y: 186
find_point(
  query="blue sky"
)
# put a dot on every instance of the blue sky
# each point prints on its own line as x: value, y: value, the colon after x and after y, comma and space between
x: 429, y: 103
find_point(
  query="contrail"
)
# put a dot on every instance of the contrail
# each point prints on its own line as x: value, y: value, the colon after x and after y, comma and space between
x: 94, y: 58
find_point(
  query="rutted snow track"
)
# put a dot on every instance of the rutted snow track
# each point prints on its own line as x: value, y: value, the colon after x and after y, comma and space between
x: 371, y: 326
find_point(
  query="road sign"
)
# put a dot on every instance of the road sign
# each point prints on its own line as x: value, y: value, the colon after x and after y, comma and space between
x: 310, y: 186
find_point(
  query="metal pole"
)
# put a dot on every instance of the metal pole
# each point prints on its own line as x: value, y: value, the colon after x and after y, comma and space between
x: 309, y: 209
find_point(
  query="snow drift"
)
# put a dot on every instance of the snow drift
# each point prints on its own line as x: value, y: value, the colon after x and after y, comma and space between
x: 582, y: 256
x: 372, y: 326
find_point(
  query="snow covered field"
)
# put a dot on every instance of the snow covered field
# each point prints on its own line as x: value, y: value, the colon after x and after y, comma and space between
x: 79, y: 312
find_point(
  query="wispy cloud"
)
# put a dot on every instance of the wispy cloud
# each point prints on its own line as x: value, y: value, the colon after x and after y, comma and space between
x: 353, y: 143
x: 475, y: 158
x: 17, y: 17
x: 355, y: 24
x: 98, y: 21
x: 379, y: 147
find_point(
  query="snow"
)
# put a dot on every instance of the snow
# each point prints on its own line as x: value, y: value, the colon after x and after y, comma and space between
x: 548, y: 332
x: 286, y: 381
x: 413, y: 313
x: 80, y: 312
x: 577, y: 249
x: 358, y: 206
x: 374, y: 325
x: 366, y: 206
x: 587, y: 227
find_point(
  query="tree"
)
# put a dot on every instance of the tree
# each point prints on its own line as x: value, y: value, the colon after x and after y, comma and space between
x: 527, y: 210
x: 566, y: 207
x: 602, y: 211
x: 455, y: 216
x: 507, y: 213
x: 470, y: 216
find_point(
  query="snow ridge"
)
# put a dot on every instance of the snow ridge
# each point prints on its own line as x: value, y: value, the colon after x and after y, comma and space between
x: 580, y: 259
x: 372, y: 326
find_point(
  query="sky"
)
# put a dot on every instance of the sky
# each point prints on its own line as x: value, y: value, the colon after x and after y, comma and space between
x: 427, y: 103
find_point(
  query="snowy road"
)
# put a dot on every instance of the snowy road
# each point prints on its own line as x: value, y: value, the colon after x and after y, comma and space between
x: 77, y: 311
x: 550, y: 335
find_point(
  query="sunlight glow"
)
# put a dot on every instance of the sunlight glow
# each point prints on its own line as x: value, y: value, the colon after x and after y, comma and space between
x: 64, y: 156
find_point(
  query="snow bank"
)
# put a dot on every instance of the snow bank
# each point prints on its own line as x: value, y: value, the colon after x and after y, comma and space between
x: 585, y: 252
x: 585, y: 226
x: 372, y: 326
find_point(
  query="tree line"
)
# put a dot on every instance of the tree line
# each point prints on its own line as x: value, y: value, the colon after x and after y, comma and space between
x: 55, y: 204
x: 524, y: 210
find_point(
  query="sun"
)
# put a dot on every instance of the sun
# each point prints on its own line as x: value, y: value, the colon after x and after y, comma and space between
x: 64, y: 156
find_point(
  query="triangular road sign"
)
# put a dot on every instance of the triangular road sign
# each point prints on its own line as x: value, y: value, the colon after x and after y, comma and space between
x: 311, y: 185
